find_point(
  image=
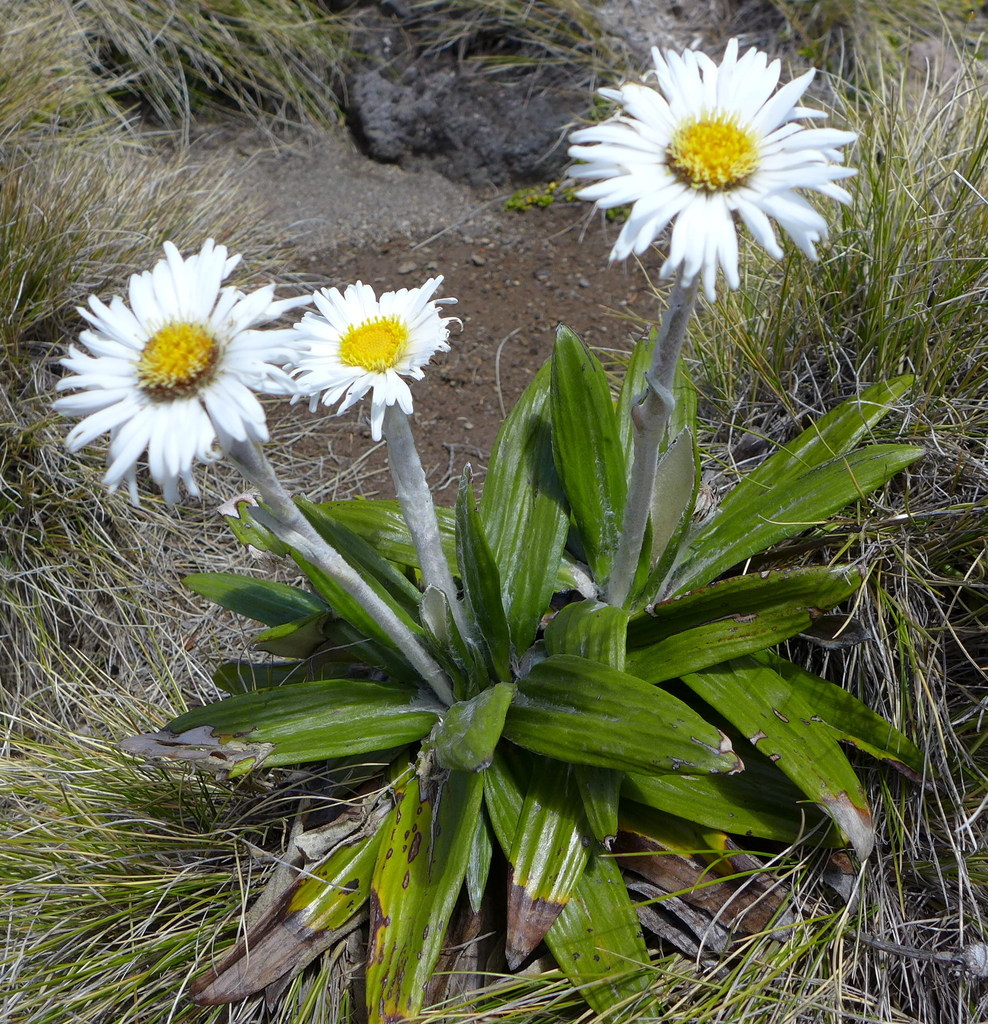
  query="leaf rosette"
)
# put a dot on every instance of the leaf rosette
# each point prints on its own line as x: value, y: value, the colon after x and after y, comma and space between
x: 586, y: 744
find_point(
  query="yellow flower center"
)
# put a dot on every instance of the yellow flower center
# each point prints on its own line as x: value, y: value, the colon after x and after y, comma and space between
x: 713, y: 153
x: 374, y: 345
x: 177, y: 359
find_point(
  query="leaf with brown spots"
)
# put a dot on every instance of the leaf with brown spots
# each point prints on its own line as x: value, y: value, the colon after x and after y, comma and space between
x: 744, y: 615
x: 420, y: 869
x: 598, y: 943
x: 774, y: 717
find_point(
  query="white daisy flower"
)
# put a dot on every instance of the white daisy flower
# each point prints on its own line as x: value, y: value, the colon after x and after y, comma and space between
x: 709, y: 143
x: 173, y: 374
x: 358, y: 343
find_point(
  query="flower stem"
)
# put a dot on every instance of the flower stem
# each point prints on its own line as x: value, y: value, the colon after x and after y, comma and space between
x: 299, y: 534
x: 419, y: 511
x: 649, y: 418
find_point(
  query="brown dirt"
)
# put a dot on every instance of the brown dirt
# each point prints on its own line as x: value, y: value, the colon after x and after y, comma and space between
x: 515, y: 280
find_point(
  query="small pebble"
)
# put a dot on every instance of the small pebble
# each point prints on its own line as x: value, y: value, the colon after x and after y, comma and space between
x: 407, y: 266
x: 477, y: 260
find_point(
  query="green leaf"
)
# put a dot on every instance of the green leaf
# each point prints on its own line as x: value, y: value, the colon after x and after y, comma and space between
x: 547, y: 857
x: 760, y: 801
x: 466, y: 737
x: 419, y: 873
x: 677, y: 474
x: 586, y: 447
x: 590, y: 629
x: 676, y: 481
x: 381, y: 524
x: 252, y: 533
x: 765, y: 708
x: 785, y: 511
x: 460, y: 659
x: 835, y: 434
x: 349, y: 608
x: 235, y: 677
x: 765, y: 622
x: 525, y: 515
x: 751, y: 593
x: 598, y: 943
x: 481, y: 582
x: 262, y: 600
x: 297, y: 639
x: 313, y: 721
x: 596, y: 631
x: 363, y: 557
x: 600, y: 789
x: 479, y: 863
x: 503, y: 795
x: 583, y: 712
x: 852, y: 720
x: 333, y: 641
x: 244, y: 676
x: 632, y: 390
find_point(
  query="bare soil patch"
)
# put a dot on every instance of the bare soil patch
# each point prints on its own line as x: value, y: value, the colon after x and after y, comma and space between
x: 516, y: 278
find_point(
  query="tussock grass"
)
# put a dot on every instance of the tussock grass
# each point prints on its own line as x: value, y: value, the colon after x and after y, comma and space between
x: 76, y: 220
x: 114, y: 874
x: 281, y: 57
x: 46, y: 78
x: 849, y: 36
x: 502, y: 34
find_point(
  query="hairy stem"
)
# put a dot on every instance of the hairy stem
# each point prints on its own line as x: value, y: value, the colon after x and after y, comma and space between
x: 650, y: 417
x: 298, y: 533
x: 419, y: 511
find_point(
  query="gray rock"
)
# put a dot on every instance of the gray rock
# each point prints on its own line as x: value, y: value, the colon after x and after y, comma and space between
x: 468, y: 127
